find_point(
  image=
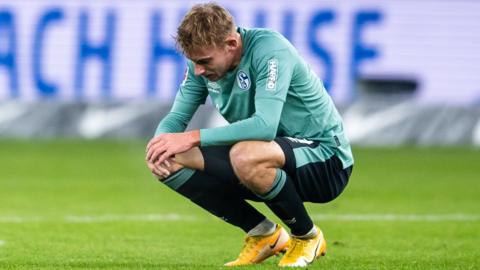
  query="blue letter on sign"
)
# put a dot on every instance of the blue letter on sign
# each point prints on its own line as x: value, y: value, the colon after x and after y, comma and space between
x: 360, y: 51
x: 288, y: 24
x: 44, y: 87
x: 317, y: 20
x: 260, y: 19
x: 102, y: 52
x: 159, y: 51
x: 8, y: 57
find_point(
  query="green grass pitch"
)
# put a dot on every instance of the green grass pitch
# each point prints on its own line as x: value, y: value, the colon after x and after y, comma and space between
x: 94, y: 205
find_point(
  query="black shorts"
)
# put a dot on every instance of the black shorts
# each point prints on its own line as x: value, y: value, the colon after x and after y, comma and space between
x: 316, y: 181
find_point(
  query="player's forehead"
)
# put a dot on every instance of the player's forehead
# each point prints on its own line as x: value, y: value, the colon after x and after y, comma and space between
x: 202, y: 53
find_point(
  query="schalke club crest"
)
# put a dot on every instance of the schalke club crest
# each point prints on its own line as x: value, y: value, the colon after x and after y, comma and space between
x: 243, y: 80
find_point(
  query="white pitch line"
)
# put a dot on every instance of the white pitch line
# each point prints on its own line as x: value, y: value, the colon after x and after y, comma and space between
x: 19, y: 219
x: 110, y: 218
x: 178, y: 217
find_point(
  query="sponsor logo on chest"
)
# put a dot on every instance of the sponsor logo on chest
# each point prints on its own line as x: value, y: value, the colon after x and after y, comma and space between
x: 214, y: 87
x: 243, y: 80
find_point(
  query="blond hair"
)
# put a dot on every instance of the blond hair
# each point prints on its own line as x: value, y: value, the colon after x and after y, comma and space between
x: 204, y: 26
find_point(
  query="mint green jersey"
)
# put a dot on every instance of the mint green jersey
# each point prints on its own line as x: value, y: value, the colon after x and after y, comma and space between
x: 272, y: 92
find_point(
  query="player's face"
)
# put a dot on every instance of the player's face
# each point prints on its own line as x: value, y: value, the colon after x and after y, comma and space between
x: 212, y: 63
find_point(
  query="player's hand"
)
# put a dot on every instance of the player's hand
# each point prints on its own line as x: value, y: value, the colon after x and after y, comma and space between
x: 167, y: 145
x: 161, y: 171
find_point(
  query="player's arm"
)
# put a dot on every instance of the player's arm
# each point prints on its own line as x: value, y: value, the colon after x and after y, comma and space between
x: 191, y: 94
x: 273, y: 80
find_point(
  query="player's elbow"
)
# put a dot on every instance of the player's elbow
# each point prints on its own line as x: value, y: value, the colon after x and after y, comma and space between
x: 269, y: 132
x: 270, y: 135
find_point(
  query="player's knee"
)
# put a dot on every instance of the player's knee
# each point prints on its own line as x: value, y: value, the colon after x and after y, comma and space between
x: 243, y: 160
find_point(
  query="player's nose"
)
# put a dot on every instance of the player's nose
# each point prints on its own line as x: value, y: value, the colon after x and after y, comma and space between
x: 199, y: 70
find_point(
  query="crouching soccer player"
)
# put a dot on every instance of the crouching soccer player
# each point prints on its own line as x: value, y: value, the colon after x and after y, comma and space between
x: 285, y: 143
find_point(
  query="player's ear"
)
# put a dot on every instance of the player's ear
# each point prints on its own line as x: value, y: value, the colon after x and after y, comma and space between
x: 231, y: 43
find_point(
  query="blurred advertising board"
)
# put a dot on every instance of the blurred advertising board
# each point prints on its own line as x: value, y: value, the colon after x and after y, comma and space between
x: 124, y: 50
